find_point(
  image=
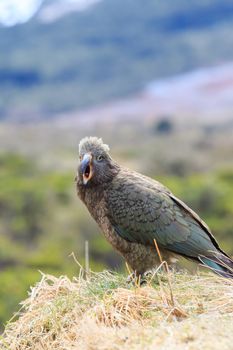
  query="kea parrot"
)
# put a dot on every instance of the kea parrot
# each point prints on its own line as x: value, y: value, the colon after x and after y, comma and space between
x: 134, y: 211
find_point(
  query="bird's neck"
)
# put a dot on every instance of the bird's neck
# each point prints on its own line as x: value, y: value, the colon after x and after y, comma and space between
x: 91, y: 195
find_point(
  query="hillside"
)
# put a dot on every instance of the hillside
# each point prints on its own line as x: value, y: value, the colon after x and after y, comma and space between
x: 104, y: 312
x: 208, y: 97
x: 111, y: 50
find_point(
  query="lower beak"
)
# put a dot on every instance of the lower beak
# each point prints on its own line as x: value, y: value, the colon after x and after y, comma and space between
x: 86, y: 168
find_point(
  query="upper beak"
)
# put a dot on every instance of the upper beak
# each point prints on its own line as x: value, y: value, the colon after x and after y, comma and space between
x: 86, y: 167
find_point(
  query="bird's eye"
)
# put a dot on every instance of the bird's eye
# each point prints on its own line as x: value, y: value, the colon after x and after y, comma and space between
x: 99, y: 158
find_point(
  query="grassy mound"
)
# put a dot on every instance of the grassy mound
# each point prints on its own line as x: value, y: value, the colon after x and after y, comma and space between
x: 172, y: 311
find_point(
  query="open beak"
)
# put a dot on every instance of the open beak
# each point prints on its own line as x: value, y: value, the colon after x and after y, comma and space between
x: 86, y: 168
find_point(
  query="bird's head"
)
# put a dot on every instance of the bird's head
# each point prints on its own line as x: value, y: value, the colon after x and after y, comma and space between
x: 96, y: 166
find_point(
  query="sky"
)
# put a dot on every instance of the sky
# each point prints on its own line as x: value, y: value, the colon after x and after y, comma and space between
x: 19, y: 11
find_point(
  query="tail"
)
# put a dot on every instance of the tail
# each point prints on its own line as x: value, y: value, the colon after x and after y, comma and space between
x: 218, y: 263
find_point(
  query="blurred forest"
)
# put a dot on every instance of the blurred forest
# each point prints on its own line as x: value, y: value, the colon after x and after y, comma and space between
x: 48, y: 70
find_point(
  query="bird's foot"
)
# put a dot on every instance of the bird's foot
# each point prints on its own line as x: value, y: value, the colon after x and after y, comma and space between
x: 147, y: 277
x: 131, y: 277
x: 138, y: 279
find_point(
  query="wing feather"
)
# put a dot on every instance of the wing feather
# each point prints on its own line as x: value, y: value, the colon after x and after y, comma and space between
x: 142, y: 211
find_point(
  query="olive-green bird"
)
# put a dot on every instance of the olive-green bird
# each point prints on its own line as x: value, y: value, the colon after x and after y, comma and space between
x: 133, y: 210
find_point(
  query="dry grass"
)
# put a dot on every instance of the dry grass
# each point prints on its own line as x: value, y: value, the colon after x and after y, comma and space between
x: 104, y: 312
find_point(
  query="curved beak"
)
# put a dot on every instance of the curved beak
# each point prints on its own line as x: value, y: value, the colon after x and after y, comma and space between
x: 86, y: 168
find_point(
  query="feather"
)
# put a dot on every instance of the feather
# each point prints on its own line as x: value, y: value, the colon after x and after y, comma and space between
x: 133, y: 210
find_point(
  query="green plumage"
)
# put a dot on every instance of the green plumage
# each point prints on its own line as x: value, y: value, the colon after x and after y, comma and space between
x: 140, y: 213
x: 133, y: 210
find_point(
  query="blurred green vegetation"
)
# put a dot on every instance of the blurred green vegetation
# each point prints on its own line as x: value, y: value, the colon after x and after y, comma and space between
x: 42, y: 222
x: 39, y: 227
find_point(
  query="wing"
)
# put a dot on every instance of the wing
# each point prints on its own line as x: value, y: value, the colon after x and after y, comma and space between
x: 141, y: 211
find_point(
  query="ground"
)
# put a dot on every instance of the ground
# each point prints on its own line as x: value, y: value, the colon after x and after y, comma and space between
x: 173, y: 310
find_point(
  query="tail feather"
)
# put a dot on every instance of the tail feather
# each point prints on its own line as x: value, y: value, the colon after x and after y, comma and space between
x: 218, y: 263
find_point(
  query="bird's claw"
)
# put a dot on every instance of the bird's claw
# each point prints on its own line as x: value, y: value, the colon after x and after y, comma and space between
x: 138, y: 279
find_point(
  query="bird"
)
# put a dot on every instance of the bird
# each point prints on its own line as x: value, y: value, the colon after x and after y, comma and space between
x: 135, y: 211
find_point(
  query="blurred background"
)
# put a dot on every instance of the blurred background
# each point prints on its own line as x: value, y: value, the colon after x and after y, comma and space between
x: 153, y: 78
